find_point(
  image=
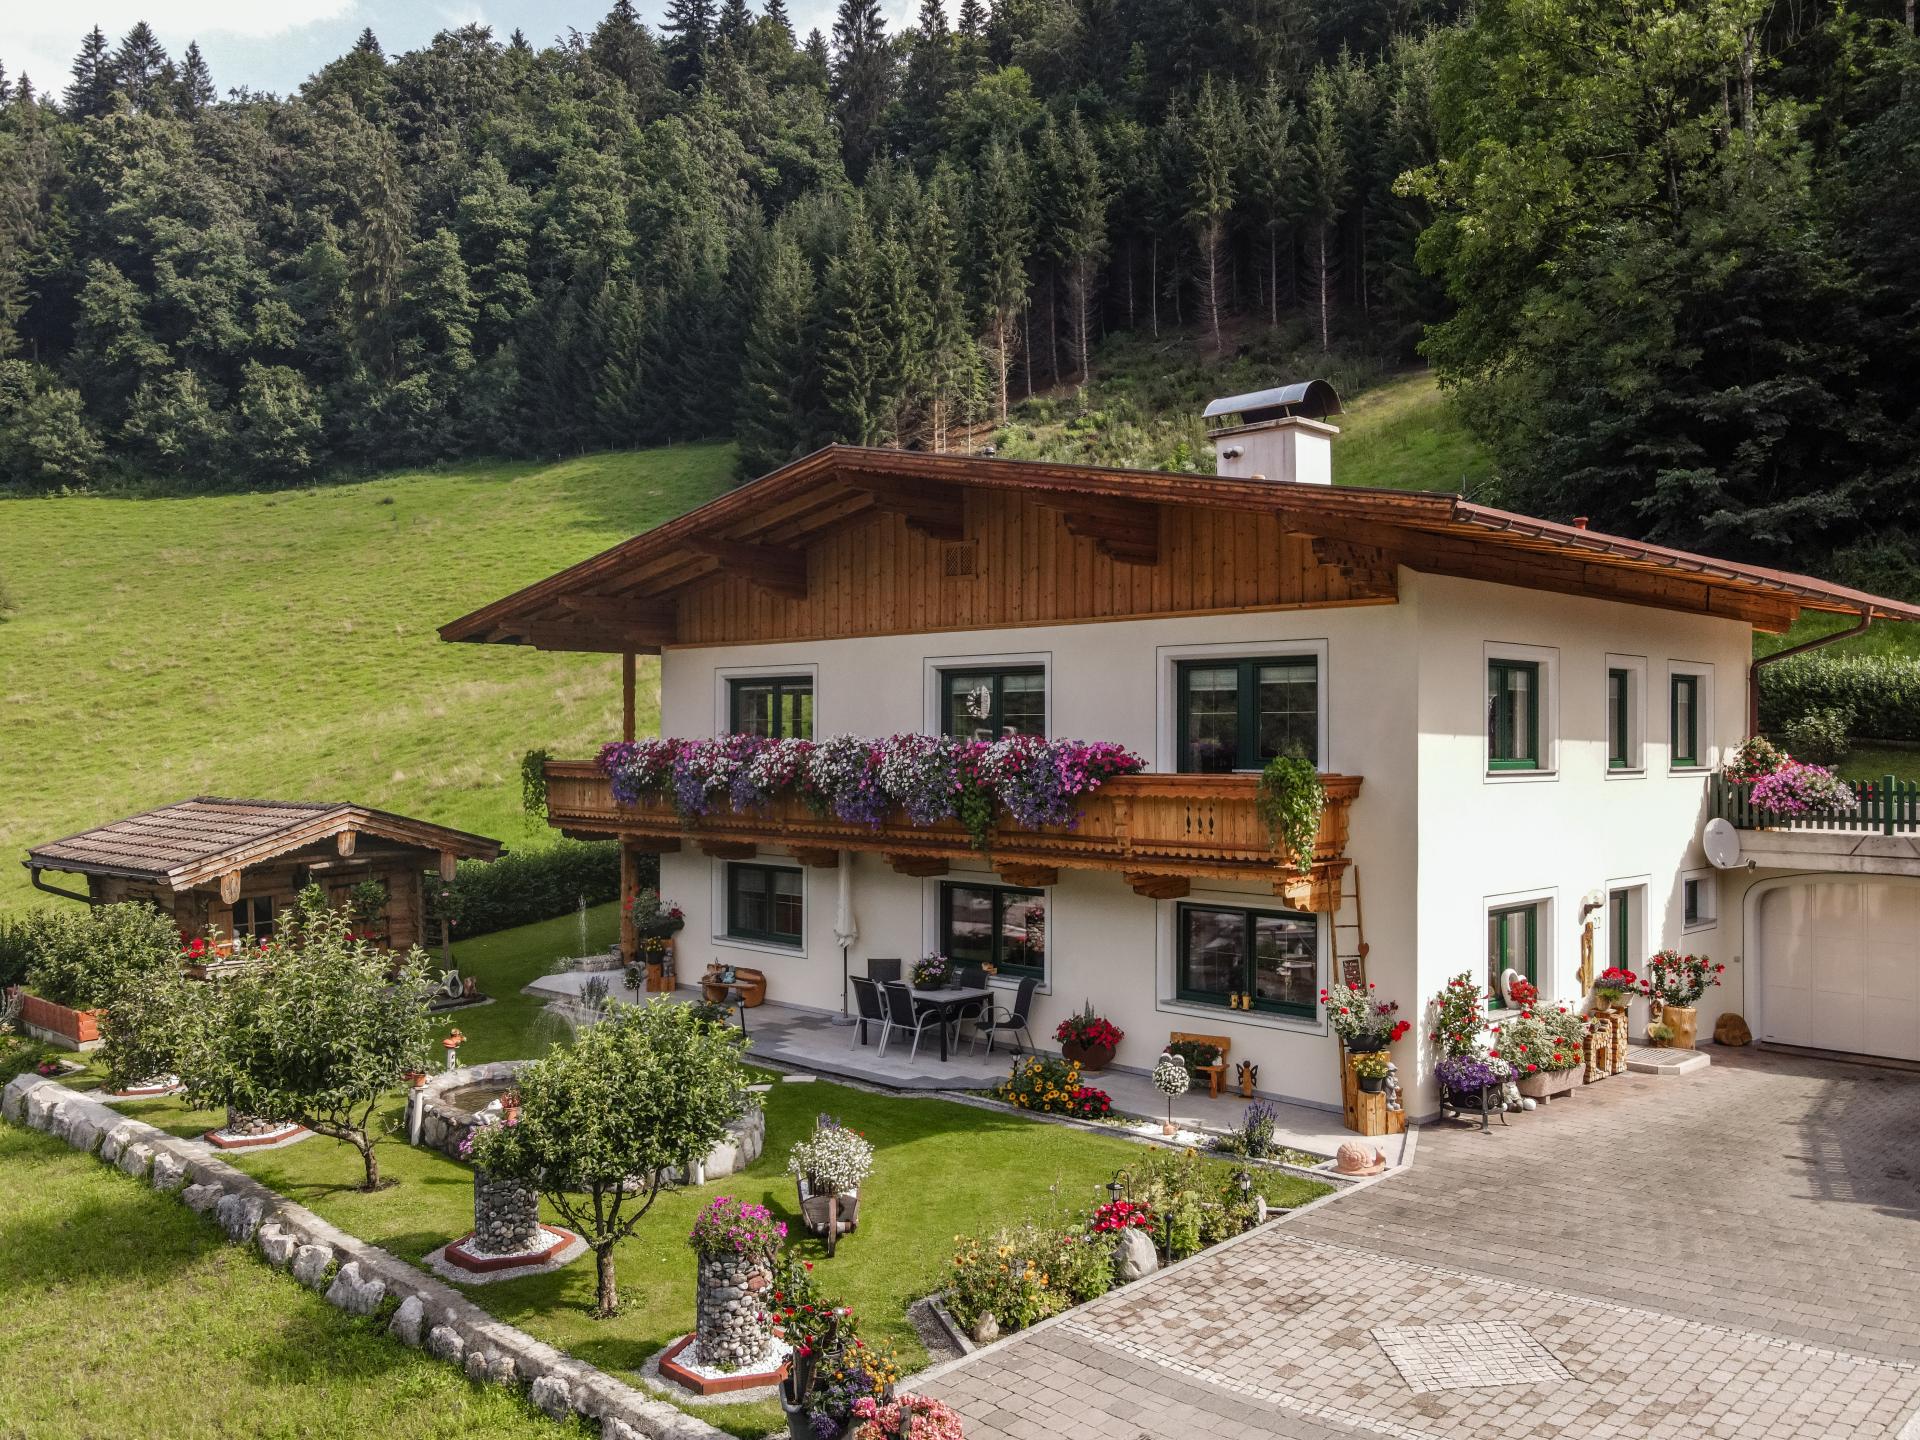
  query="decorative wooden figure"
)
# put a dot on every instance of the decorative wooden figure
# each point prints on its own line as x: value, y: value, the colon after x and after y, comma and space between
x: 1248, y: 1074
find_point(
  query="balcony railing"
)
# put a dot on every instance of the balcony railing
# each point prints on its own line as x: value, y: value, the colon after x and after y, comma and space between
x: 1886, y: 806
x: 1159, y: 829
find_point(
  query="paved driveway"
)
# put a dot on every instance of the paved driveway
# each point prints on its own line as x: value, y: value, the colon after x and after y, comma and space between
x: 1735, y: 1253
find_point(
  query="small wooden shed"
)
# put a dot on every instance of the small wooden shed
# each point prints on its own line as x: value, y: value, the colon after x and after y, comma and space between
x: 236, y: 865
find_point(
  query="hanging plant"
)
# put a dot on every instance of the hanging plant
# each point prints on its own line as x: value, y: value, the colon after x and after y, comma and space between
x: 1289, y: 801
x: 533, y: 783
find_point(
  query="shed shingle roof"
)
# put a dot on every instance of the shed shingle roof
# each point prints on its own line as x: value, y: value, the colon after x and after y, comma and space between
x: 192, y: 841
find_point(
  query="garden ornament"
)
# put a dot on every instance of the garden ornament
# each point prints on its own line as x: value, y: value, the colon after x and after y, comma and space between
x: 452, y: 1044
x: 1170, y: 1078
x: 1353, y: 1158
x: 1248, y: 1074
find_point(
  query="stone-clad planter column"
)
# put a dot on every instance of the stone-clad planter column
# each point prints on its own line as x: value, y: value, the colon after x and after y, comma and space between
x: 734, y: 1327
x: 506, y: 1217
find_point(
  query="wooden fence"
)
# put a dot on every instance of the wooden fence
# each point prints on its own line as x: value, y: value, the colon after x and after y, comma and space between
x: 1886, y: 805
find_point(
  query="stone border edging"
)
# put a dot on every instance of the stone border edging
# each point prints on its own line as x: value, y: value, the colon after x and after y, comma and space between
x: 356, y: 1277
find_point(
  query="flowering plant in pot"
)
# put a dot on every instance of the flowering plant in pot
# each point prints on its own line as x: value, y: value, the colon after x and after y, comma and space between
x: 1361, y: 1019
x: 654, y: 918
x: 1800, y: 789
x: 1087, y: 1039
x: 1454, y: 1017
x: 1462, y: 1077
x: 911, y: 1417
x: 1370, y: 1070
x: 933, y: 972
x: 828, y: 1168
x: 1613, y: 986
x: 1542, y: 1057
x: 817, y: 1332
x: 1754, y: 760
x: 1675, y: 982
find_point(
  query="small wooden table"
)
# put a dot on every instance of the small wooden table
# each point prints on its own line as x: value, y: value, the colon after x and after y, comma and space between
x: 947, y: 1001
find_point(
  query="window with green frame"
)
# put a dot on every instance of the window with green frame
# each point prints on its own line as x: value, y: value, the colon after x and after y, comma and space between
x: 1513, y: 943
x: 1620, y: 929
x: 1239, y: 714
x: 776, y: 707
x: 1684, y: 719
x: 764, y: 904
x: 994, y: 925
x: 990, y: 704
x: 1513, y: 714
x: 1619, y: 726
x: 1271, y: 956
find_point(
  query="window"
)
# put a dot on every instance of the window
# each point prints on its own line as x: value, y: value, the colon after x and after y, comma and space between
x: 1685, y: 715
x: 1513, y: 943
x: 1513, y: 715
x: 1239, y: 714
x: 778, y: 707
x: 1619, y: 724
x: 763, y: 903
x: 995, y: 925
x: 253, y: 918
x: 1272, y: 958
x: 992, y: 704
x: 1697, y: 901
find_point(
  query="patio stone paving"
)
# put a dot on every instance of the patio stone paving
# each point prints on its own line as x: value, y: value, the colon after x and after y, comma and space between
x: 1732, y: 1253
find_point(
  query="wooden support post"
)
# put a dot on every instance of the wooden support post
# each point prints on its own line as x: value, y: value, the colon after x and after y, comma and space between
x: 626, y: 695
x: 629, y: 885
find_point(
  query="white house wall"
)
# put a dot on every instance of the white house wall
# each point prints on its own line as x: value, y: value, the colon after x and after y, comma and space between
x: 1431, y: 838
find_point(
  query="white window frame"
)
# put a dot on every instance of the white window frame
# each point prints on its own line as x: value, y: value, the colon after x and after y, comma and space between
x: 1167, y: 963
x: 722, y: 915
x: 1708, y: 879
x: 1167, y: 658
x: 1547, y: 657
x: 1636, y: 668
x: 936, y: 665
x: 1548, y: 902
x: 987, y: 880
x: 1709, y: 751
x: 724, y: 677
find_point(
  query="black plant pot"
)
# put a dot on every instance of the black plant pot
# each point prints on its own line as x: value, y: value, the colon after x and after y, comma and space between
x: 1367, y: 1044
x: 798, y: 1426
x: 1371, y: 1084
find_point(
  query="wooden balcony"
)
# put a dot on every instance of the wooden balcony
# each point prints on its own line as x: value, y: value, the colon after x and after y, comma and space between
x: 1163, y: 832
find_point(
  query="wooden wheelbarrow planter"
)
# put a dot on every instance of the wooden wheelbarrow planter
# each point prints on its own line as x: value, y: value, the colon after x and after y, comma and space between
x: 829, y: 1216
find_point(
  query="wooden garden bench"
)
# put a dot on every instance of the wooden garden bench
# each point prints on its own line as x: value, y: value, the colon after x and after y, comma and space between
x: 1216, y: 1073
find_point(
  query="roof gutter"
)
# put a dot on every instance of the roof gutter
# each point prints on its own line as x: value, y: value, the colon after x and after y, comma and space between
x: 1753, y: 670
x: 39, y: 884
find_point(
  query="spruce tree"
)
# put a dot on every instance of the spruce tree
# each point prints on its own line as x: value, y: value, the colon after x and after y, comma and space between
x: 142, y: 70
x: 369, y: 44
x: 776, y: 11
x: 735, y: 22
x: 1214, y: 135
x: 1003, y: 238
x: 776, y: 423
x: 689, y: 27
x: 194, y: 92
x: 862, y: 81
x: 857, y: 356
x: 94, y: 78
x: 1273, y: 177
x: 1077, y: 198
x: 950, y: 375
x: 1328, y: 182
x: 622, y: 47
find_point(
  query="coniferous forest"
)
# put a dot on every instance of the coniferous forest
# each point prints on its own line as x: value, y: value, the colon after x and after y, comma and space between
x: 1665, y: 253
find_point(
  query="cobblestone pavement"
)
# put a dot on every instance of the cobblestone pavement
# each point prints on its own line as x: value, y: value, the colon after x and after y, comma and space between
x: 1734, y: 1253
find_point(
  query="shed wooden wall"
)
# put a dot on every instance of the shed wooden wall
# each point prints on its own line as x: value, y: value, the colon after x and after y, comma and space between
x: 196, y: 909
x: 882, y: 578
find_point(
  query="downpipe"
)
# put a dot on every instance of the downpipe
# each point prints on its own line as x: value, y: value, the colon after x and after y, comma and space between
x: 1753, y: 670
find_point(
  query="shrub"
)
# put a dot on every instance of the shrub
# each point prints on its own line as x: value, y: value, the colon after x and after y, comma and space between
x: 1821, y: 735
x: 1053, y: 1087
x: 1882, y: 691
x: 1676, y: 979
x: 524, y: 886
x: 1454, y: 1017
x: 1023, y: 1273
x: 80, y: 957
x: 15, y: 949
x: 1199, y: 1203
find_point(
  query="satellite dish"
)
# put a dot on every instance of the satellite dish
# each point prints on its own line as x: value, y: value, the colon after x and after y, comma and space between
x: 1722, y: 844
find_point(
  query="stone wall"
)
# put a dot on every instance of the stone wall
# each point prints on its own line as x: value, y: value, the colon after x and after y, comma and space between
x: 734, y: 1328
x: 359, y: 1278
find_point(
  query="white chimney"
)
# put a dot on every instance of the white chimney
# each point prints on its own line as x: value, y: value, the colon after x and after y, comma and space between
x: 1276, y: 435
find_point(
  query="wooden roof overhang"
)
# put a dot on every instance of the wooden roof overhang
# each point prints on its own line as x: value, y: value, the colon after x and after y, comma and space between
x: 626, y: 599
x: 193, y: 842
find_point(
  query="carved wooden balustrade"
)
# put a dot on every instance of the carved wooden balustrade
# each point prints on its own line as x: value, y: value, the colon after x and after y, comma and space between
x: 1163, y: 832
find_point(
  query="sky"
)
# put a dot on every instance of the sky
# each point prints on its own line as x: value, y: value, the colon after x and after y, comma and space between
x: 276, y: 44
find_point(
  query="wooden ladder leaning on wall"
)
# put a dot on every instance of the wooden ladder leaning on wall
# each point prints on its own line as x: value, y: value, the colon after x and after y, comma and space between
x: 1363, y: 1113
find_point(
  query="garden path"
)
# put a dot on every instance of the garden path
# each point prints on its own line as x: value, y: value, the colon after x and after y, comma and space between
x: 1732, y: 1253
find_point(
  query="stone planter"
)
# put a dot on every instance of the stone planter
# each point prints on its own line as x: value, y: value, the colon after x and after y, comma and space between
x: 1544, y: 1084
x: 733, y: 1329
x: 59, y: 1024
x: 1090, y: 1058
x: 1684, y: 1022
x: 506, y: 1216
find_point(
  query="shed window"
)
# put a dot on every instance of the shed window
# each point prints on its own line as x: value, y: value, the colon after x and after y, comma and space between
x: 253, y: 918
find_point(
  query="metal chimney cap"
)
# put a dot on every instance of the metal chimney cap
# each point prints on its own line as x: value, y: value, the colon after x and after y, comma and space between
x: 1310, y: 398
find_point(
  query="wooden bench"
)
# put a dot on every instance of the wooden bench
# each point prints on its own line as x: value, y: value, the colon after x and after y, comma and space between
x: 1216, y: 1073
x: 752, y: 985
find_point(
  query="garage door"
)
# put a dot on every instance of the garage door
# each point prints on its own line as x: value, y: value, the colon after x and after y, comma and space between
x: 1840, y: 966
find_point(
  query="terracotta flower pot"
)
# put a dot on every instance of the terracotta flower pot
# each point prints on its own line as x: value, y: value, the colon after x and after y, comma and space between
x: 1090, y: 1058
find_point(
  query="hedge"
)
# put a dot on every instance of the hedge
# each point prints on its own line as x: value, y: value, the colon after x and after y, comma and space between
x: 523, y: 886
x: 1882, y: 691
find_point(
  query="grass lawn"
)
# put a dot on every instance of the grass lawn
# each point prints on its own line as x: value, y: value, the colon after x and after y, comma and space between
x: 283, y: 644
x: 127, y: 1315
x: 942, y: 1168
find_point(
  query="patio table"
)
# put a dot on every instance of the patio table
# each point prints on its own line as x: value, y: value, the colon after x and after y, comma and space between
x: 947, y: 1001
